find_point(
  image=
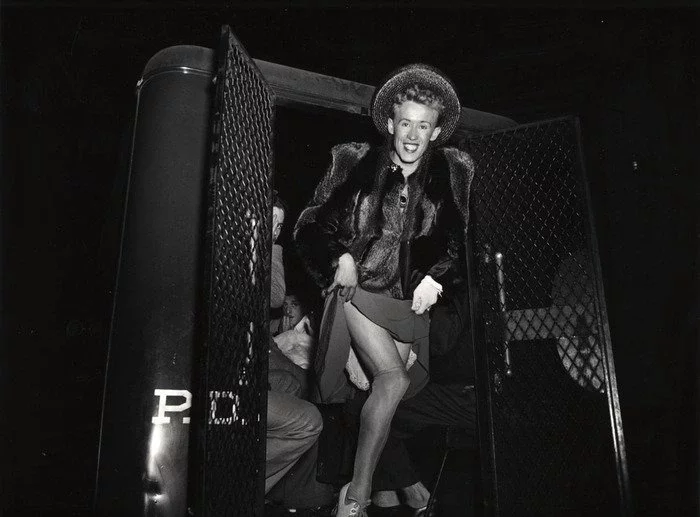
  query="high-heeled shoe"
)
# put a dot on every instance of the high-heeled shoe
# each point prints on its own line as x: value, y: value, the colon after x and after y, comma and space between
x: 350, y: 508
x: 425, y: 511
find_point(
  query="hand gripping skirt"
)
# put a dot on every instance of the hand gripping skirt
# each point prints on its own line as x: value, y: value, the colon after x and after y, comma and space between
x: 396, y: 316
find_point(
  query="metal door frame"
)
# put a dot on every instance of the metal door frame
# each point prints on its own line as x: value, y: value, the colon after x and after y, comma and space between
x: 481, y: 359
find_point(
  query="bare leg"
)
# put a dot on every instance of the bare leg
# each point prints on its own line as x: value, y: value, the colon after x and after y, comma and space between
x: 380, y: 354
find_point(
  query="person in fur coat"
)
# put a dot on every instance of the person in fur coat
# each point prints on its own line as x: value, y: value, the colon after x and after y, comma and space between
x: 383, y: 236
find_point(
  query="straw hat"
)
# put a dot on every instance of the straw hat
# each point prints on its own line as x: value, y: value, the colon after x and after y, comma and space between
x: 425, y: 76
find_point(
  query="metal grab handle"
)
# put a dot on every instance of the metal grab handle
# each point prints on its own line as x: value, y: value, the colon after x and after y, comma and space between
x: 498, y: 256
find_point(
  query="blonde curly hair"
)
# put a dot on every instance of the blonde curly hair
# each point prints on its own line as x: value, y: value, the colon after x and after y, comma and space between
x: 422, y: 96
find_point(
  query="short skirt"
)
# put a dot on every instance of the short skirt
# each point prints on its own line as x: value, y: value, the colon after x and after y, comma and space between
x: 334, y: 342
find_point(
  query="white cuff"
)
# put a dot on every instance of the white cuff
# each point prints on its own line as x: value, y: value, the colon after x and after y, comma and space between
x: 430, y: 281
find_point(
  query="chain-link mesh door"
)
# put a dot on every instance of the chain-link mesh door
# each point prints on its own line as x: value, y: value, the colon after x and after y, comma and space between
x: 550, y: 424
x: 237, y: 290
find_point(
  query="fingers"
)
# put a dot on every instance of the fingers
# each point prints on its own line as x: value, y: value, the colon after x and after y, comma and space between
x: 416, y: 305
x: 306, y: 328
x: 420, y: 309
x: 351, y: 293
x: 420, y: 305
x: 347, y: 292
x: 285, y: 323
x: 328, y: 290
x: 417, y: 301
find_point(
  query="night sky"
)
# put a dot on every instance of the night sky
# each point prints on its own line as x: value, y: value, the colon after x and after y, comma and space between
x: 68, y: 89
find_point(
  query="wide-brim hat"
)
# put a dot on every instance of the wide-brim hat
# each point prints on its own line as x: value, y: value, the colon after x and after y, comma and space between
x: 425, y: 76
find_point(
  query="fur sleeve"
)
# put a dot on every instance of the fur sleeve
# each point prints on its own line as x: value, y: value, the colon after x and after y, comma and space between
x: 316, y: 228
x: 461, y: 175
x: 443, y: 251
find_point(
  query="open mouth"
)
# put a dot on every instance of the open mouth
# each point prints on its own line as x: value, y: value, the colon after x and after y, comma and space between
x: 411, y: 148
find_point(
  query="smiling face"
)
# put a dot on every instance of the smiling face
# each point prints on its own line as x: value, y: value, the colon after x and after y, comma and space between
x: 413, y: 127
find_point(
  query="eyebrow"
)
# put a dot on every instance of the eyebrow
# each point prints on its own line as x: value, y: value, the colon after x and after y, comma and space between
x: 420, y: 121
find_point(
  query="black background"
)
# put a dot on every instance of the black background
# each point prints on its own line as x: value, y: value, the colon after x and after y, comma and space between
x: 68, y: 79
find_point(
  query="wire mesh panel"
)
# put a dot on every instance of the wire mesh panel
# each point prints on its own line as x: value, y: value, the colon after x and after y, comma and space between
x: 550, y: 426
x: 238, y: 290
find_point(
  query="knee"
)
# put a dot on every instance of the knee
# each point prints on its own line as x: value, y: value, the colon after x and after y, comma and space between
x: 313, y: 422
x: 402, y: 381
x: 282, y: 381
x: 316, y: 422
x: 395, y: 382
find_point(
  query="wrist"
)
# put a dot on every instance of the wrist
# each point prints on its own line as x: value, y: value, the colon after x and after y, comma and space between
x: 430, y: 281
x: 346, y: 260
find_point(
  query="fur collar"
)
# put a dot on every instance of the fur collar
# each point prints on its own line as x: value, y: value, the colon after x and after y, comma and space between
x: 441, y: 169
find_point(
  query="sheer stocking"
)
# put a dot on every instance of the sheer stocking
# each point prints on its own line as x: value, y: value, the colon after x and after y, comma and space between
x: 385, y: 359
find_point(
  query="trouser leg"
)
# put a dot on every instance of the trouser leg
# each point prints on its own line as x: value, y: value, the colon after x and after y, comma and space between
x: 293, y: 426
x: 434, y: 405
x: 299, y: 488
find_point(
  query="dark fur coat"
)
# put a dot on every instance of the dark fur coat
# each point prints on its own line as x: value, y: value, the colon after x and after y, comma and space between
x: 347, y: 214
